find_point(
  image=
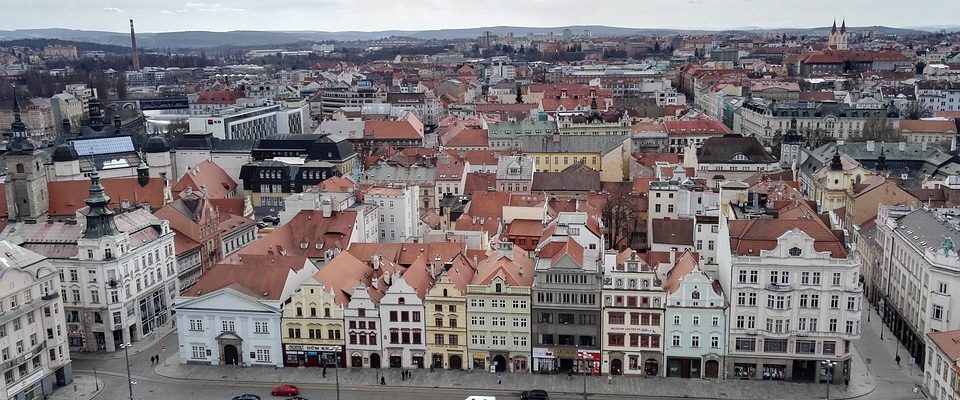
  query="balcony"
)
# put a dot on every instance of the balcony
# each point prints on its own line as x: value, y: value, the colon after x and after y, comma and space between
x: 26, y: 356
x: 779, y: 287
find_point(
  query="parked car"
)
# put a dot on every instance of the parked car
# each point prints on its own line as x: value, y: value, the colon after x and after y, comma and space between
x: 262, y: 224
x: 535, y: 394
x: 274, y: 219
x: 246, y: 397
x: 285, y: 390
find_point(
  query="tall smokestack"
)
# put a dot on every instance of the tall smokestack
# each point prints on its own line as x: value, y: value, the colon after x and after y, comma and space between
x: 133, y: 48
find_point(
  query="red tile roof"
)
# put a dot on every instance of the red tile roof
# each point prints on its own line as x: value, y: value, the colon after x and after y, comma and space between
x: 686, y: 263
x: 307, y: 229
x: 341, y: 275
x: 696, y: 127
x: 928, y: 126
x: 390, y: 130
x: 515, y: 270
x: 748, y: 237
x: 948, y: 342
x: 260, y: 276
x: 220, y: 97
x: 66, y: 197
x: 208, y: 175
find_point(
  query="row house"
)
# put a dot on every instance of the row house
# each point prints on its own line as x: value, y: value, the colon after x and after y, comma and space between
x: 500, y: 294
x: 446, y: 304
x: 633, y: 317
x: 696, y: 323
x: 795, y: 299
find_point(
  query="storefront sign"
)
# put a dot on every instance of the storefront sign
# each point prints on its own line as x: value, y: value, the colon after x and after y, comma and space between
x: 310, y: 347
x: 25, y: 383
x: 632, y: 330
x: 565, y: 353
x: 588, y: 355
x: 542, y: 352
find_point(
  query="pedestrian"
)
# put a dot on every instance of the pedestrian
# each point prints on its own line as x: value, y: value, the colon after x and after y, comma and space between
x: 158, y: 359
x: 846, y: 381
x: 324, y: 371
x: 403, y: 375
x: 569, y: 374
x: 431, y: 367
x: 383, y: 381
x: 499, y: 379
x: 409, y: 375
x: 897, y: 360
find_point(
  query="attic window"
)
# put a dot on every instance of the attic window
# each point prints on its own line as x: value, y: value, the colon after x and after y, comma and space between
x: 739, y: 157
x: 795, y: 252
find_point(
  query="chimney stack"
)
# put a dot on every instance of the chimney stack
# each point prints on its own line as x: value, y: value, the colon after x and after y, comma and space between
x: 133, y: 48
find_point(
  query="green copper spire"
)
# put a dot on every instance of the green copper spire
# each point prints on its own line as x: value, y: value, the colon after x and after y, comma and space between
x: 99, y: 217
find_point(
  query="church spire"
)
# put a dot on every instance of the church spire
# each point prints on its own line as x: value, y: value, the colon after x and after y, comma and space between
x: 99, y: 218
x: 843, y: 26
x: 19, y: 140
x: 833, y: 31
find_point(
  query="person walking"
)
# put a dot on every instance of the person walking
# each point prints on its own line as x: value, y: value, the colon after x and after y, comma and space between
x: 324, y: 371
x: 897, y: 360
x: 383, y: 381
x: 499, y: 379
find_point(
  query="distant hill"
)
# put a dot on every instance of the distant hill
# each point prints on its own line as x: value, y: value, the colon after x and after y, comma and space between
x: 39, y: 44
x: 205, y: 39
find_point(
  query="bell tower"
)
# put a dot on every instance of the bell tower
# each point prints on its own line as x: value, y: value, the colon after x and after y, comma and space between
x: 26, y: 175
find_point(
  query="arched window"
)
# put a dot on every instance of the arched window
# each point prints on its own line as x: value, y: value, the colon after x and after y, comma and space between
x: 444, y: 292
x: 19, y: 168
x: 695, y: 295
x: 795, y: 251
x: 656, y: 302
x: 402, y: 301
x: 499, y: 287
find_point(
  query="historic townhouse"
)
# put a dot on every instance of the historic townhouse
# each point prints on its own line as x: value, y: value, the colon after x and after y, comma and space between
x: 446, y: 307
x: 696, y: 322
x: 498, y: 307
x: 403, y: 325
x: 795, y: 299
x: 633, y: 307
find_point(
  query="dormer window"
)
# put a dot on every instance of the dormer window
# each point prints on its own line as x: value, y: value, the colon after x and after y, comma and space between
x: 740, y: 157
x: 795, y: 252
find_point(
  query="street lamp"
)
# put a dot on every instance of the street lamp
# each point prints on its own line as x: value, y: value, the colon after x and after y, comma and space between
x: 126, y: 356
x: 828, y: 365
x: 336, y: 374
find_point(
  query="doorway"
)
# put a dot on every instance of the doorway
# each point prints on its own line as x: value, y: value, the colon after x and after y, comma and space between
x: 456, y: 362
x: 711, y: 369
x: 231, y: 356
x: 616, y: 366
x: 651, y: 367
x: 375, y: 361
x: 356, y: 362
x: 500, y: 362
x: 437, y: 361
x: 396, y: 362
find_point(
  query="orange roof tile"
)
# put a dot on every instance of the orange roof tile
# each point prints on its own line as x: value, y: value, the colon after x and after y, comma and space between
x: 259, y: 276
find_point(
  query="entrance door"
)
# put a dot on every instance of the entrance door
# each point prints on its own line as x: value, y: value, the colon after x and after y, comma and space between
x: 456, y: 362
x: 375, y: 360
x: 356, y: 362
x: 500, y: 362
x: 230, y: 355
x: 712, y: 369
x: 651, y: 367
x: 396, y: 362
x: 437, y: 361
x: 616, y: 366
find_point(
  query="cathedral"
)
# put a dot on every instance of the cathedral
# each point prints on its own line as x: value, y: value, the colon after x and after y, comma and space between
x: 839, y: 38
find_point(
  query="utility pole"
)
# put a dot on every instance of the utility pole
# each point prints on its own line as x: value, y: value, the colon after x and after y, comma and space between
x: 126, y: 356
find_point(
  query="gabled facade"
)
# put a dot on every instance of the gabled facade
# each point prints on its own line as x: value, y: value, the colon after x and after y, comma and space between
x: 696, y: 322
x: 312, y: 331
x: 498, y: 307
x: 403, y: 326
x: 362, y: 317
x: 446, y: 314
x: 633, y: 311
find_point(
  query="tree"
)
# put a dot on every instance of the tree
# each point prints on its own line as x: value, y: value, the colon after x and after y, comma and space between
x: 519, y: 95
x: 622, y: 216
x: 913, y: 110
x: 878, y: 129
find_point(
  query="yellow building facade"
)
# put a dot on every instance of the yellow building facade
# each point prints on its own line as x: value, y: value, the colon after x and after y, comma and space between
x: 313, y: 334
x: 445, y: 308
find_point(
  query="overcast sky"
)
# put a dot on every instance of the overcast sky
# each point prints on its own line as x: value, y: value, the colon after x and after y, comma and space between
x: 375, y: 15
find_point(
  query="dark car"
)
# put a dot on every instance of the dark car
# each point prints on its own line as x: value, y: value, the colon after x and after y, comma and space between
x: 535, y: 394
x: 274, y: 219
x: 246, y: 397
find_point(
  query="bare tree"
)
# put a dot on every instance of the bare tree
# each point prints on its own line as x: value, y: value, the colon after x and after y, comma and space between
x: 621, y: 214
x: 878, y: 128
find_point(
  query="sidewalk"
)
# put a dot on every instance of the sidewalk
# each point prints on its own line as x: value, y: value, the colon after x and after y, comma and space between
x: 82, y: 388
x: 135, y: 348
x: 881, y: 354
x: 627, y: 386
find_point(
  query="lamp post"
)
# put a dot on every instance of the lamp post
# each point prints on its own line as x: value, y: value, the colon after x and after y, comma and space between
x: 828, y: 365
x: 336, y: 374
x: 126, y: 356
x: 583, y: 370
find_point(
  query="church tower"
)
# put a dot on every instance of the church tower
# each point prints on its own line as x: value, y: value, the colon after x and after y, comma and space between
x: 839, y: 37
x: 26, y: 175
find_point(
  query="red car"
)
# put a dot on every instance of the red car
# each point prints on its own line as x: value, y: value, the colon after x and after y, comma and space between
x: 285, y: 390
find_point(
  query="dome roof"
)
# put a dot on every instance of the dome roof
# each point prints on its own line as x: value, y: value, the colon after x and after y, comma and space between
x: 156, y: 144
x: 65, y: 152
